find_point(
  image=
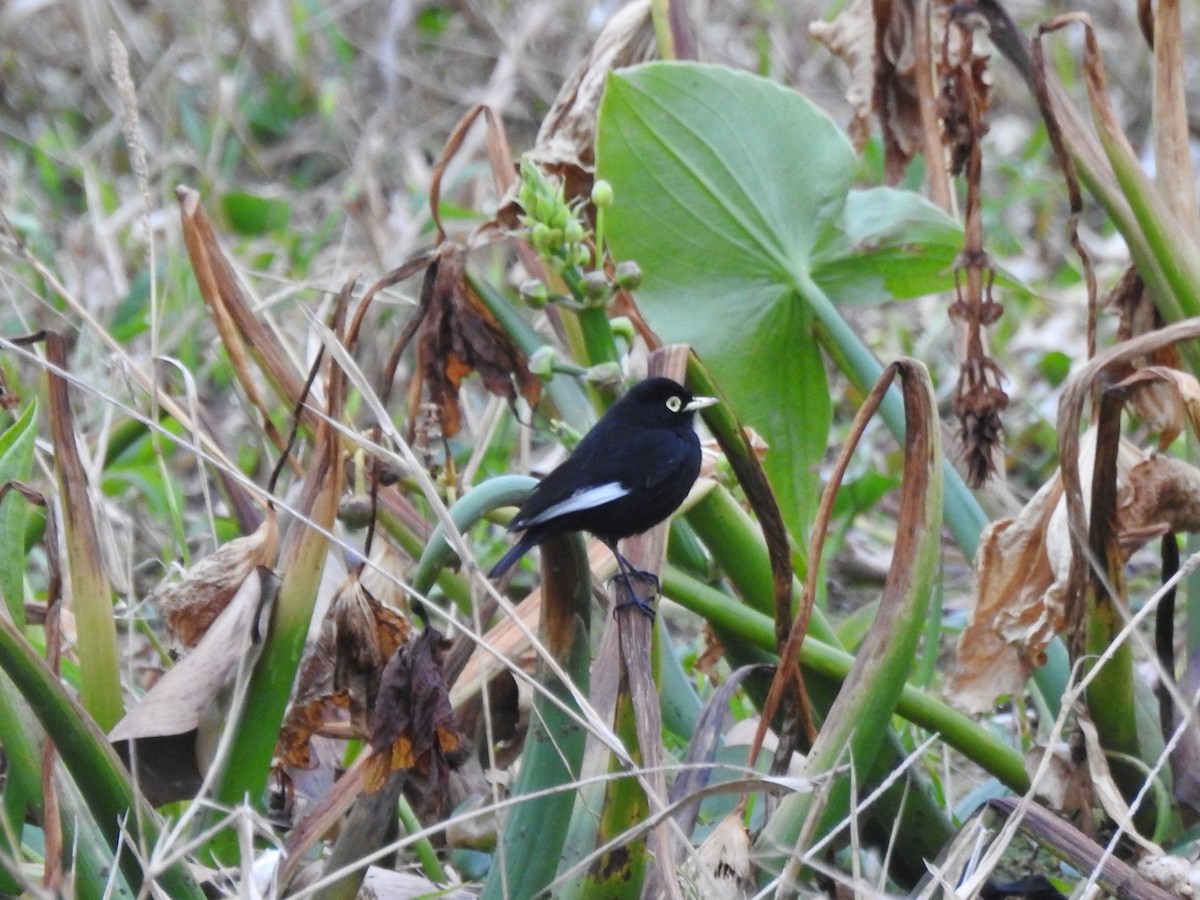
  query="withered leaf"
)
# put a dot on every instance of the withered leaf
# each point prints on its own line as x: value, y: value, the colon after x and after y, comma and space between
x: 896, y: 97
x: 340, y: 676
x: 193, y: 603
x: 1023, y: 565
x: 851, y: 36
x: 414, y: 725
x: 176, y: 723
x: 566, y: 140
x: 1157, y: 404
x: 1165, y: 399
x: 459, y: 335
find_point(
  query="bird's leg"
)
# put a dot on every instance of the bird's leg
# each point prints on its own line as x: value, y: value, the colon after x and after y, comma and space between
x: 629, y: 568
x: 627, y: 573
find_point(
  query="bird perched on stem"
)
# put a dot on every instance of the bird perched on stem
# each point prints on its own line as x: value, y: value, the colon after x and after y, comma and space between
x: 629, y: 473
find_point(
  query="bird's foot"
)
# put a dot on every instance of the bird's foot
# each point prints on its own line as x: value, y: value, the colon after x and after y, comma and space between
x: 638, y: 575
x: 635, y: 599
x: 637, y: 603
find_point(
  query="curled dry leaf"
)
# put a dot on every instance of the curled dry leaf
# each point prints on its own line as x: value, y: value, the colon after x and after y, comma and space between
x: 1105, y: 789
x: 191, y: 604
x: 1157, y: 404
x: 175, y: 722
x: 1064, y: 783
x: 459, y: 335
x: 1023, y: 565
x: 1166, y: 398
x: 340, y: 676
x: 851, y: 36
x: 414, y: 725
x: 566, y: 141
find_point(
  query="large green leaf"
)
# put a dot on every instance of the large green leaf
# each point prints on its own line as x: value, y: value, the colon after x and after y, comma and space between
x: 888, y: 244
x: 734, y: 196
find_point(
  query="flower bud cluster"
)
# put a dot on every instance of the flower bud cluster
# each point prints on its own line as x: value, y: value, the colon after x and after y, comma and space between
x: 555, y: 229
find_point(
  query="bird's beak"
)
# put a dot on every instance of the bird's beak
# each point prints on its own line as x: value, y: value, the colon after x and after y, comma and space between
x: 700, y: 403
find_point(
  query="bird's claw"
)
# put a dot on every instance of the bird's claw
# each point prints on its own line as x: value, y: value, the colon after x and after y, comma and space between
x: 635, y: 600
x: 637, y: 603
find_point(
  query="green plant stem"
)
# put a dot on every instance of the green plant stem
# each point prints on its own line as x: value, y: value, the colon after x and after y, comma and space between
x: 426, y: 854
x: 957, y: 730
x: 964, y: 516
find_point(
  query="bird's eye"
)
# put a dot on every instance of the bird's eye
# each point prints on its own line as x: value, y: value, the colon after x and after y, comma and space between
x: 674, y: 404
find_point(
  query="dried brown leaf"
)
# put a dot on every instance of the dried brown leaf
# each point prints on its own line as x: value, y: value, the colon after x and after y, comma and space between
x: 1105, y: 789
x: 566, y: 141
x: 1166, y: 398
x: 171, y: 721
x: 241, y: 332
x: 340, y: 675
x: 459, y: 335
x: 851, y: 36
x: 1023, y: 566
x: 1064, y: 784
x: 896, y: 98
x: 191, y: 604
x: 414, y: 725
x: 1157, y: 404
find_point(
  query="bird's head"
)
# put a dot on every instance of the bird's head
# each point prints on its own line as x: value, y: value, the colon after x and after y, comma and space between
x: 661, y: 401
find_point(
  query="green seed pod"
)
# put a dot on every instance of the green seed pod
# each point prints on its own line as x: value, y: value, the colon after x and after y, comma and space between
x: 596, y: 286
x: 541, y: 363
x: 535, y: 294
x: 542, y: 238
x: 573, y: 231
x: 628, y: 275
x: 602, y: 193
x: 606, y: 375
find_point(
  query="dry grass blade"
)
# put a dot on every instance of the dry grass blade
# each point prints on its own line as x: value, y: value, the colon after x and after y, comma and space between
x: 241, y: 332
x: 89, y: 590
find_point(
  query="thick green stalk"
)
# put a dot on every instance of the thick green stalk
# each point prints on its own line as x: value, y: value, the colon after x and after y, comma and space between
x: 960, y: 732
x: 964, y: 516
x: 244, y: 776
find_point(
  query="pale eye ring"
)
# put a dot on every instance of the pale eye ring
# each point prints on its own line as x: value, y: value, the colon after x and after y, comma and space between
x: 674, y: 404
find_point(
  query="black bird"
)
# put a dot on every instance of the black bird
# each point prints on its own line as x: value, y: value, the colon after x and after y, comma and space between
x: 629, y: 472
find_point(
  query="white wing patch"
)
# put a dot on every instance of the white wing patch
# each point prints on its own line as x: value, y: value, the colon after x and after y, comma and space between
x: 588, y: 498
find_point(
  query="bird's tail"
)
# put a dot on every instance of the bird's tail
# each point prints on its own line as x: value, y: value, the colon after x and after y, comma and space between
x: 515, y: 552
